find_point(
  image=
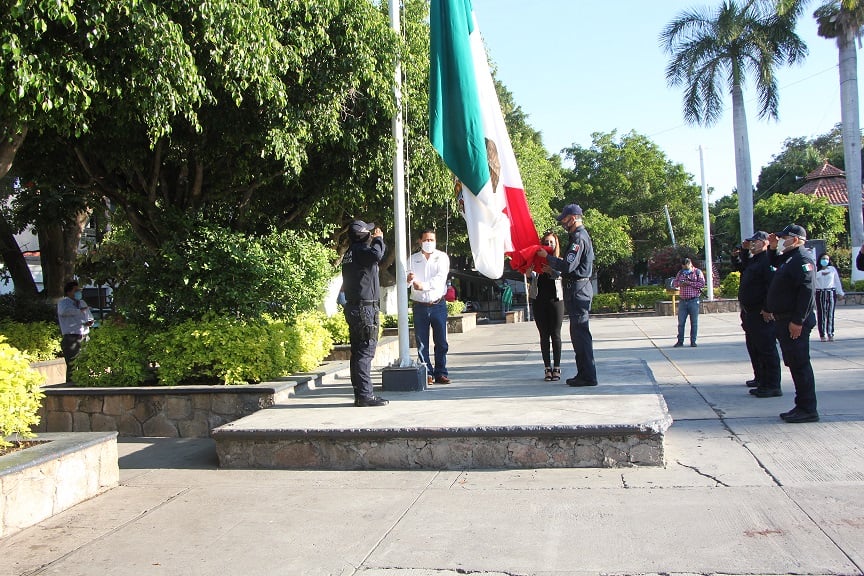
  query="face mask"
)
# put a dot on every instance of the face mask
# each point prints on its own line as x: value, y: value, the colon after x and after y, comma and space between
x: 78, y: 295
x: 823, y: 262
x: 781, y: 245
x: 428, y: 246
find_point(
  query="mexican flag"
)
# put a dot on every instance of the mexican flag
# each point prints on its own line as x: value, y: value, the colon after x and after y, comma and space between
x: 467, y: 129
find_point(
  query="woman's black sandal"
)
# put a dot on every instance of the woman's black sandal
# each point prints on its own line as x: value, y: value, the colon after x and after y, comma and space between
x: 556, y: 374
x: 548, y: 377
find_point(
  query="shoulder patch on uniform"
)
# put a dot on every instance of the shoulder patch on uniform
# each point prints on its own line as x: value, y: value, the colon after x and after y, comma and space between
x: 574, y: 247
x: 571, y: 257
x: 807, y: 267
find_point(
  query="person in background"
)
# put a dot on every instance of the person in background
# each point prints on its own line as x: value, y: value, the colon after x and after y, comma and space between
x: 75, y: 319
x: 576, y: 268
x: 859, y: 260
x: 754, y: 262
x: 427, y: 276
x: 506, y: 296
x: 689, y: 281
x: 828, y: 290
x: 362, y: 290
x: 791, y: 303
x: 450, y: 295
x: 546, y: 291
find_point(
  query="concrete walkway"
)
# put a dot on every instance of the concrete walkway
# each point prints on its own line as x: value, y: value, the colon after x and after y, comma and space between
x: 742, y: 492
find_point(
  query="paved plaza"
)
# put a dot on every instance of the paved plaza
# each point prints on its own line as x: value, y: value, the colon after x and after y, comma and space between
x: 741, y: 493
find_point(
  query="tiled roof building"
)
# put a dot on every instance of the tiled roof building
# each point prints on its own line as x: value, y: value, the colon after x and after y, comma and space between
x: 826, y: 182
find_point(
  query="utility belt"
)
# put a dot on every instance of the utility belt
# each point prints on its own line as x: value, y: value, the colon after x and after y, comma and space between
x: 433, y: 303
x: 571, y: 281
x: 363, y: 302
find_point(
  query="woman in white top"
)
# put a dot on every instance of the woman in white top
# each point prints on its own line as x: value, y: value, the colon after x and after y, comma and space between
x: 828, y: 289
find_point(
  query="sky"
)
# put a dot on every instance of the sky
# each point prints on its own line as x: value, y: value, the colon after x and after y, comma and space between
x: 583, y: 66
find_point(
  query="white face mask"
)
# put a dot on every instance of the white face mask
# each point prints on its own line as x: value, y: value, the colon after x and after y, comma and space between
x: 781, y: 245
x: 428, y: 246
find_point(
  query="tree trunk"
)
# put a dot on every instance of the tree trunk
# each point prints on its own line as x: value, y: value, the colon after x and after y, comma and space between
x: 58, y: 245
x: 9, y: 145
x: 743, y: 172
x: 849, y: 116
x: 16, y: 265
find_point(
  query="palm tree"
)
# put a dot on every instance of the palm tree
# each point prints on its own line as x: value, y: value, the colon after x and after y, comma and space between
x: 843, y: 21
x: 716, y: 51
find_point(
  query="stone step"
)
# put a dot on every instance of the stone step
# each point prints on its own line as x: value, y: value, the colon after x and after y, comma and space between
x: 473, y: 423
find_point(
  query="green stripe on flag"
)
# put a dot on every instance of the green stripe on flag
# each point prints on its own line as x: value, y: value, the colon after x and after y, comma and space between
x: 455, y: 120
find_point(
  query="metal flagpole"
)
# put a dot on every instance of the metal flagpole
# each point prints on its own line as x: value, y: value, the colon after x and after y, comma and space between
x: 706, y: 225
x: 399, y: 203
x: 402, y: 374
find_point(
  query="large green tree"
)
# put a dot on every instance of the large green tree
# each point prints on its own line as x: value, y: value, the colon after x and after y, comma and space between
x: 630, y: 176
x: 59, y: 60
x: 715, y: 51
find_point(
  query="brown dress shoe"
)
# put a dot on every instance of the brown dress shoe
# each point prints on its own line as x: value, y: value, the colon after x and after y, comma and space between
x: 442, y: 380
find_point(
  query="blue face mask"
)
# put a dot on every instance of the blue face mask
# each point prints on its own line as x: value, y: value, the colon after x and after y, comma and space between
x: 823, y: 262
x: 78, y: 295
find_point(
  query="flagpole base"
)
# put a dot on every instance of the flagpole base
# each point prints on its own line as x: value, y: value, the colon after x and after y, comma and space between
x: 403, y: 379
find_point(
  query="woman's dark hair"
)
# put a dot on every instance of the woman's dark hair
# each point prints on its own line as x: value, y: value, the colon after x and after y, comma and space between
x: 69, y: 286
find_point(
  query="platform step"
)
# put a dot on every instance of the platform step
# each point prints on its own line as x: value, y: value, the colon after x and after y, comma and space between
x: 470, y: 424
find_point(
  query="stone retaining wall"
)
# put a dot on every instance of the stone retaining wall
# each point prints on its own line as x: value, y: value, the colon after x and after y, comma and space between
x: 55, y: 475
x: 182, y: 411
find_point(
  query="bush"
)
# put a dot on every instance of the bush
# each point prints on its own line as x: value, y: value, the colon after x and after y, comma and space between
x: 730, y: 285
x: 116, y: 355
x: 642, y: 297
x: 610, y: 302
x: 37, y: 340
x: 207, y: 269
x: 233, y: 351
x: 27, y: 310
x: 306, y: 345
x: 20, y: 396
x: 666, y: 262
x: 337, y: 327
x: 455, y: 308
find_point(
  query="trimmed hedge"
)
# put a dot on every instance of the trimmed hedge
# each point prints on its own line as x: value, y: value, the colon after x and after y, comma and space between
x: 37, y: 340
x: 208, y: 351
x: 20, y: 396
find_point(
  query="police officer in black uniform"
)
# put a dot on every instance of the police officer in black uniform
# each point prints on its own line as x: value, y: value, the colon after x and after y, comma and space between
x: 362, y: 294
x: 791, y: 303
x: 754, y: 263
x: 576, y: 267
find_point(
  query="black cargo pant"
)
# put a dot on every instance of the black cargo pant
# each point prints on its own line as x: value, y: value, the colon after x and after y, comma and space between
x: 362, y: 322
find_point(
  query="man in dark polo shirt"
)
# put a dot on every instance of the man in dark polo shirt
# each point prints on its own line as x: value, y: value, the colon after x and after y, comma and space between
x: 791, y: 303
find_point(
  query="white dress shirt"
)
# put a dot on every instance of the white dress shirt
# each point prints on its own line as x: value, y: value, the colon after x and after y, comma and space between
x: 431, y: 273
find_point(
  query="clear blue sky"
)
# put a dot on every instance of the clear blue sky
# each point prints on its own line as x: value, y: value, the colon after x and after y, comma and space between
x: 582, y: 66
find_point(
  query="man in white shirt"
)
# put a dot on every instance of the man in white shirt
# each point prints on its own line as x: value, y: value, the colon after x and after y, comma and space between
x: 75, y: 320
x: 428, y: 270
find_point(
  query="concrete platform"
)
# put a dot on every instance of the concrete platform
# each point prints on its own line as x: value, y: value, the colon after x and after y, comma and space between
x: 503, y: 416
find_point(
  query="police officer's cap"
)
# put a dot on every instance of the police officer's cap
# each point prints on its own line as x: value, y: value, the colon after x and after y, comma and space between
x: 360, y: 229
x: 793, y: 230
x: 759, y: 235
x: 570, y: 210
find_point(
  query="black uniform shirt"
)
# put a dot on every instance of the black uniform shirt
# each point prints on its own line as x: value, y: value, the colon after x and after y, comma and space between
x: 792, y: 292
x: 360, y: 271
x: 756, y: 276
x: 578, y: 261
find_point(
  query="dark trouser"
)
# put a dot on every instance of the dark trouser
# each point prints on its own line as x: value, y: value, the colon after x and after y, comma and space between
x: 825, y: 301
x: 70, y: 345
x: 762, y: 346
x: 434, y: 316
x: 688, y: 308
x: 796, y: 355
x: 548, y: 316
x: 578, y: 304
x: 363, y: 330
